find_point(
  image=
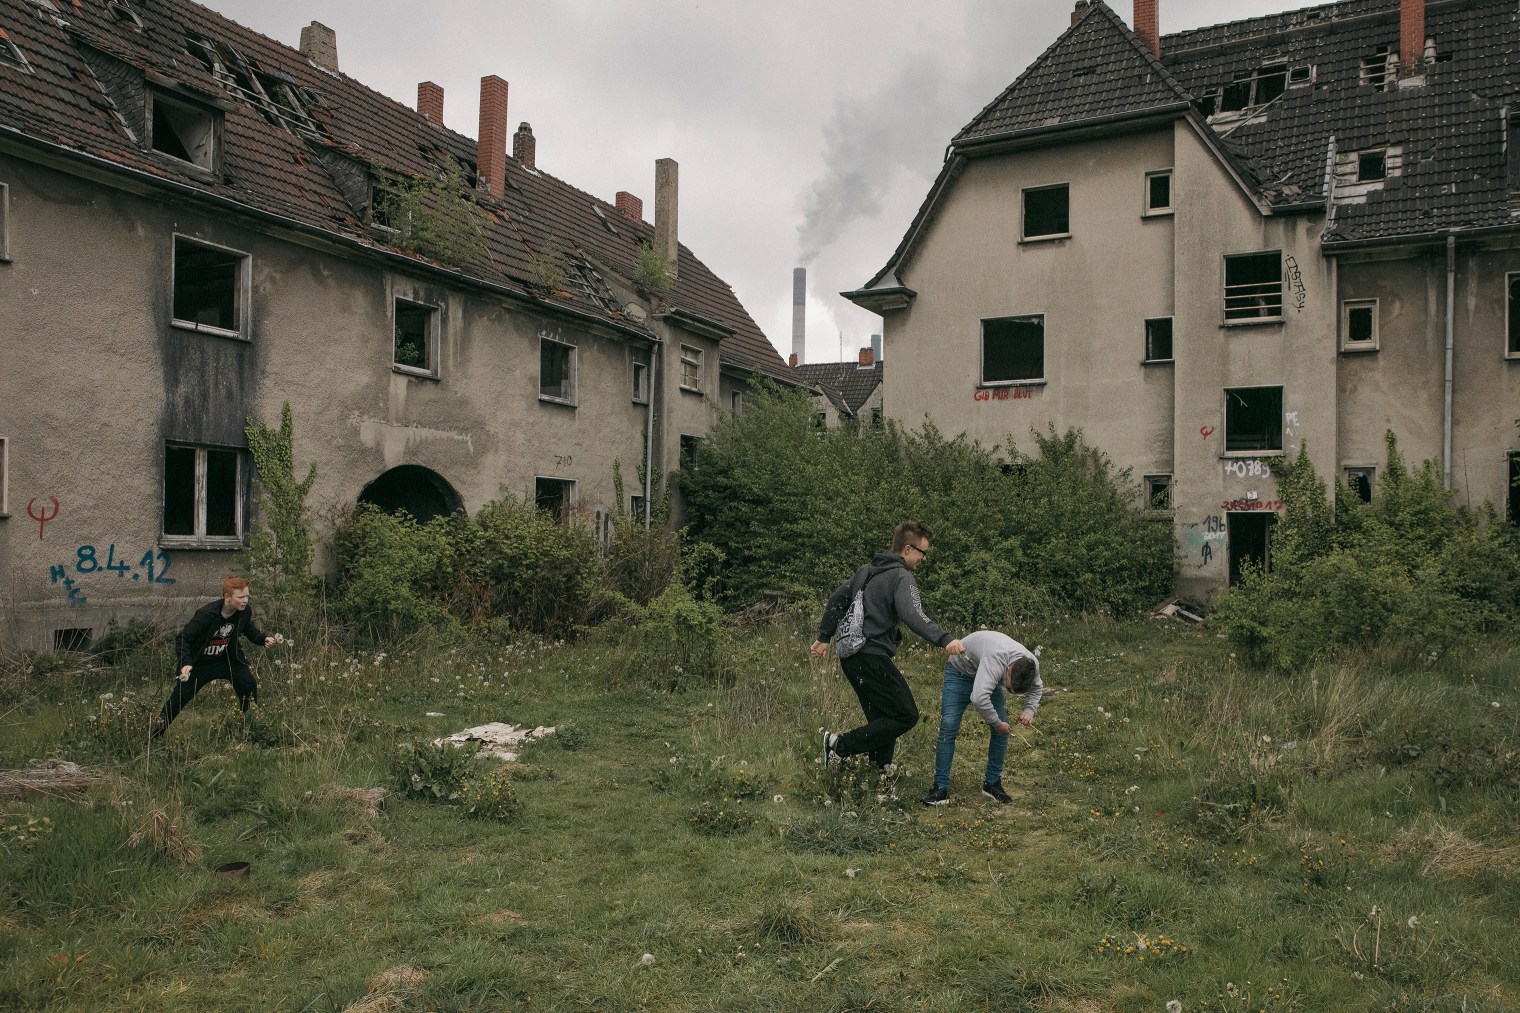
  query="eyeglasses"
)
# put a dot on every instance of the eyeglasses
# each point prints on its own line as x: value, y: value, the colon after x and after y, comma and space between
x: 915, y: 548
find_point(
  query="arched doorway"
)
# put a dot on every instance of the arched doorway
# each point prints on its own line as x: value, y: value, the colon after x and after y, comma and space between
x: 419, y: 491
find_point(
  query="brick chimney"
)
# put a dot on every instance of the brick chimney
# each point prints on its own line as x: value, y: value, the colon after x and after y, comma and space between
x: 491, y: 148
x: 524, y: 147
x: 1148, y: 26
x: 1081, y: 9
x: 430, y: 102
x: 631, y: 206
x: 319, y: 44
x: 667, y: 178
x: 791, y: 360
x: 1411, y: 36
x: 867, y: 357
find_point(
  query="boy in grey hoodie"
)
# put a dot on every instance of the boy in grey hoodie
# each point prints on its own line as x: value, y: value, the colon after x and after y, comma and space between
x: 992, y: 665
x: 890, y: 598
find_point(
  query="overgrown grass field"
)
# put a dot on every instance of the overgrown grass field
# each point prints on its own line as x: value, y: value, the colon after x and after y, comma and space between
x: 1185, y: 834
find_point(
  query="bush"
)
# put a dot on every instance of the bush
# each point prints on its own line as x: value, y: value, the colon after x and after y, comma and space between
x: 675, y: 641
x: 489, y: 796
x: 387, y: 566
x: 121, y: 643
x: 430, y: 771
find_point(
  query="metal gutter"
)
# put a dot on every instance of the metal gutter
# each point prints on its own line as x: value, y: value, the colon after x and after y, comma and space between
x: 1332, y: 246
x: 971, y: 148
x: 1451, y: 294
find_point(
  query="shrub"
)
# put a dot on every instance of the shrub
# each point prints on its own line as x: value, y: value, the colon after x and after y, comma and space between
x: 387, y: 564
x: 489, y: 796
x: 675, y: 641
x: 122, y: 643
x: 431, y: 771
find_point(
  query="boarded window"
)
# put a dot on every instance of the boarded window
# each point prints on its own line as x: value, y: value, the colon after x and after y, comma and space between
x: 1013, y: 349
x: 1253, y: 418
x: 1253, y: 284
x: 1046, y: 212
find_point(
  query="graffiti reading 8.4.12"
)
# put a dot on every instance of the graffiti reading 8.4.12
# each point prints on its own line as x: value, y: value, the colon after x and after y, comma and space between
x: 153, y: 568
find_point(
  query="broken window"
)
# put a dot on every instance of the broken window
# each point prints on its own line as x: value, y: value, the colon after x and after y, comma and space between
x: 1250, y: 541
x: 1512, y: 346
x: 183, y: 131
x: 1046, y: 212
x: 1158, y: 192
x: 690, y: 451
x: 691, y: 368
x: 1359, y: 481
x: 1269, y: 82
x: 555, y: 496
x: 636, y: 507
x: 641, y: 382
x: 203, y: 501
x: 5, y: 223
x: 9, y: 53
x: 1158, y: 492
x: 1253, y: 419
x: 736, y: 402
x: 1158, y: 339
x: 73, y: 640
x: 209, y: 287
x: 1359, y: 318
x: 556, y: 370
x: 416, y: 329
x: 1514, y: 487
x: 123, y: 12
x: 1013, y: 349
x: 1253, y: 286
x: 1371, y: 166
x: 1375, y: 70
x: 5, y: 476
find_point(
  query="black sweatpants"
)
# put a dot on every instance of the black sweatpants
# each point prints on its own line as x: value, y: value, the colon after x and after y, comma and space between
x: 888, y: 705
x: 243, y: 685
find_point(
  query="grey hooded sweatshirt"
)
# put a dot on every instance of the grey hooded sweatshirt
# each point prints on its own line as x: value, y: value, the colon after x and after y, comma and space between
x: 890, y: 599
x: 987, y: 656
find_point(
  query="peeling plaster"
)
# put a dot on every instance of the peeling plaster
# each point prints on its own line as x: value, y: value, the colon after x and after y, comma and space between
x: 394, y: 440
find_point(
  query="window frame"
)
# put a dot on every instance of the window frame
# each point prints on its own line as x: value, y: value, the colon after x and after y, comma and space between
x: 1240, y: 319
x: 736, y: 402
x: 1160, y: 482
x: 5, y: 223
x: 567, y: 501
x: 569, y: 384
x: 5, y: 477
x: 13, y: 54
x: 199, y: 539
x: 1253, y: 451
x: 1512, y: 511
x: 691, y: 368
x: 640, y: 382
x: 1347, y: 344
x: 1149, y: 358
x: 1381, y: 154
x: 1352, y: 472
x: 1148, y: 210
x: 1512, y: 315
x: 982, y: 349
x: 242, y: 294
x: 690, y: 454
x: 430, y: 339
x: 212, y: 141
x: 1042, y: 237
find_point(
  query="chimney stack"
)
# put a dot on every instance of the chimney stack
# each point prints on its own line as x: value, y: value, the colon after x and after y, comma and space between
x: 1148, y: 26
x: 799, y: 313
x: 667, y: 178
x: 791, y: 360
x: 430, y: 102
x: 1081, y: 9
x: 1411, y: 36
x: 491, y: 148
x: 319, y: 44
x: 631, y: 207
x: 867, y: 357
x: 524, y: 147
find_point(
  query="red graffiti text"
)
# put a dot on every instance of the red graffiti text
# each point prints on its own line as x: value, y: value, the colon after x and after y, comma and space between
x: 1251, y: 504
x: 43, y: 517
x: 1004, y: 394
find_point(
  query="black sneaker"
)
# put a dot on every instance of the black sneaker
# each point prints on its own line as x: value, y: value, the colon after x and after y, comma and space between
x: 829, y: 756
x: 937, y: 796
x: 995, y: 792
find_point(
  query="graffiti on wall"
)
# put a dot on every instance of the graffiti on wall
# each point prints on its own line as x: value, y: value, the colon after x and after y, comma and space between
x: 1203, y: 539
x: 1205, y: 431
x: 151, y: 568
x: 1003, y: 394
x: 1297, y: 294
x: 43, y: 517
x: 1248, y: 468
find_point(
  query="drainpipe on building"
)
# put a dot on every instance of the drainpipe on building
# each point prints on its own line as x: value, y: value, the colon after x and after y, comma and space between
x: 654, y: 376
x: 1451, y: 295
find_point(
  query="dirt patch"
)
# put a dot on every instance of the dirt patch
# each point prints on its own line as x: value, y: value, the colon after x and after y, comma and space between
x: 504, y: 917
x: 365, y: 800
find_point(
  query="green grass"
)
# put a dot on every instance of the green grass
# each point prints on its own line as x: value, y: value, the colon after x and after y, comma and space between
x: 1182, y: 829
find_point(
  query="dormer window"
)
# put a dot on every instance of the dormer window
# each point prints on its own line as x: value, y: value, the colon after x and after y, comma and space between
x: 183, y: 131
x: 123, y: 13
x: 1264, y: 85
x: 1371, y: 166
x: 9, y: 53
x: 1375, y: 70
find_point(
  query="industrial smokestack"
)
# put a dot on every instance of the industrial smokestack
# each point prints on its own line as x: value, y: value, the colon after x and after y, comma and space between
x: 876, y: 346
x: 799, y: 313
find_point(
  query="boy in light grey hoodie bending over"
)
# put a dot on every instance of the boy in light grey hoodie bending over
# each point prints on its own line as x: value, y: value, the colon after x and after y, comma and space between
x: 992, y: 665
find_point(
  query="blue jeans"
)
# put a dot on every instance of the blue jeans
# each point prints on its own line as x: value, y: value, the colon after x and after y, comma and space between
x: 953, y: 702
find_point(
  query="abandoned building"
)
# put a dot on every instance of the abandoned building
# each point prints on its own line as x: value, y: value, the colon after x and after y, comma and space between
x: 1212, y: 249
x: 199, y: 225
x: 847, y: 391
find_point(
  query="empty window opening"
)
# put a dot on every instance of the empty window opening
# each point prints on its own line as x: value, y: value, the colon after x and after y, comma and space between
x: 1375, y: 70
x: 208, y: 286
x: 414, y: 345
x: 555, y: 496
x: 1371, y: 166
x: 1359, y: 323
x: 1253, y: 419
x: 77, y: 639
x: 640, y: 382
x: 636, y: 508
x: 1235, y: 96
x: 1158, y: 492
x: 1359, y: 481
x: 691, y: 368
x: 556, y: 368
x: 1158, y: 339
x: 1253, y: 286
x: 203, y: 494
x: 1514, y: 487
x: 1047, y: 212
x: 1300, y: 76
x: 5, y: 223
x: 415, y: 490
x: 736, y: 402
x: 5, y: 475
x: 9, y: 53
x: 691, y: 449
x: 1158, y: 192
x: 876, y: 418
x: 1013, y: 349
x: 183, y: 132
x: 1250, y: 541
x: 1512, y: 346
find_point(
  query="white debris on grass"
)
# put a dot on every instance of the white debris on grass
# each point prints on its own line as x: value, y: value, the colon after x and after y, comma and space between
x: 497, y: 740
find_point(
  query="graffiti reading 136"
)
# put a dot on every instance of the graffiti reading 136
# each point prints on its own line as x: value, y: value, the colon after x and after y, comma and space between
x: 1004, y: 394
x: 1248, y: 469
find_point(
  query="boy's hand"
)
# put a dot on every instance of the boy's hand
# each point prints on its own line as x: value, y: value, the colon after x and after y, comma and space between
x: 819, y: 649
x: 184, y: 674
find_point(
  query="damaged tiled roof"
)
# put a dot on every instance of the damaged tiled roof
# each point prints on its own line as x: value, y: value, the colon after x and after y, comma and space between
x: 301, y: 143
x: 853, y: 383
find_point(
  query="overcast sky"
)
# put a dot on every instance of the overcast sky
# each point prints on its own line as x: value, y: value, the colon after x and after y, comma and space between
x: 807, y: 131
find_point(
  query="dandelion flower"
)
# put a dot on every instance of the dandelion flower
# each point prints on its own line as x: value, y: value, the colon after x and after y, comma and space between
x: 1173, y: 1006
x: 647, y: 960
x: 1414, y: 921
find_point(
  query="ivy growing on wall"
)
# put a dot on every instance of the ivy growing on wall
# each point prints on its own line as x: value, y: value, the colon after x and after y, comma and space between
x: 279, y: 551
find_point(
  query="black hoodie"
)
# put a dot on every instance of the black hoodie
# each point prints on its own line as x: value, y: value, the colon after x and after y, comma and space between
x: 890, y: 599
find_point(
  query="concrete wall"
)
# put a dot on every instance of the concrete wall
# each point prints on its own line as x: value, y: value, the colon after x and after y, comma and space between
x: 100, y: 379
